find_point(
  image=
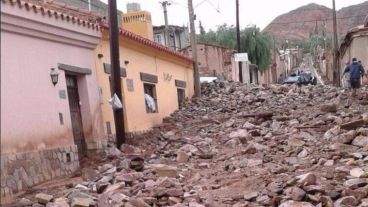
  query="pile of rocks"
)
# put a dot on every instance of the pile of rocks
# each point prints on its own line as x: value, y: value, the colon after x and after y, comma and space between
x: 240, y: 145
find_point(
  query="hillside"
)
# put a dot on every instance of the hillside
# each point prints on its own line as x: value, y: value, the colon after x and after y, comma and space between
x: 298, y: 24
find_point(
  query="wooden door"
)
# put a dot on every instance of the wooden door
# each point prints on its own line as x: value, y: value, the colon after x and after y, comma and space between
x: 181, y: 97
x: 75, y: 113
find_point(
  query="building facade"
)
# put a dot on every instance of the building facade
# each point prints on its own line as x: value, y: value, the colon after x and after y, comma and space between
x: 213, y: 60
x: 46, y: 125
x: 178, y: 37
x: 138, y: 22
x: 355, y: 44
x: 96, y: 6
x: 275, y: 72
x: 146, y: 68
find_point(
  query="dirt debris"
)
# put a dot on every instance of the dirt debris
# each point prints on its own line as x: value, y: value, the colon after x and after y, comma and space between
x: 237, y: 145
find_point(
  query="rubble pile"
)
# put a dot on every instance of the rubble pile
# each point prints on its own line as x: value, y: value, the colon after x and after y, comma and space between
x: 238, y: 145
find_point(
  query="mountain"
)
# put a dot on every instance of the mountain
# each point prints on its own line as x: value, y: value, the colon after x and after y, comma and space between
x: 299, y: 24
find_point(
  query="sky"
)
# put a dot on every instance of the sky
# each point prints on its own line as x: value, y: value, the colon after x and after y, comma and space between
x: 217, y: 12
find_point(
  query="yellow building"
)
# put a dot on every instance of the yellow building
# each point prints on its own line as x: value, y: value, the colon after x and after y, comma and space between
x: 138, y: 22
x: 146, y: 68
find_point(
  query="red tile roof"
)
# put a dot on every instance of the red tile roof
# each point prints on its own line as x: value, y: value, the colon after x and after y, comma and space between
x: 66, y: 13
x: 150, y: 43
x: 87, y: 19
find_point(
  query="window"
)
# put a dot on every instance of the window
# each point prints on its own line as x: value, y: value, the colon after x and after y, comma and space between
x: 150, y: 98
x: 158, y: 38
x: 181, y: 97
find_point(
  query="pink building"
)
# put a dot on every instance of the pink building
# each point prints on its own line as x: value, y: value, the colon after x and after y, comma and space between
x: 213, y: 60
x: 45, y: 128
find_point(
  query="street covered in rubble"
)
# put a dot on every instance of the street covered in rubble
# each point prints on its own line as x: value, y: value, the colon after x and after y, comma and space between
x: 237, y: 145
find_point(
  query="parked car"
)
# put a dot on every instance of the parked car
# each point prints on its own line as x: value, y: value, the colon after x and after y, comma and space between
x: 304, y: 78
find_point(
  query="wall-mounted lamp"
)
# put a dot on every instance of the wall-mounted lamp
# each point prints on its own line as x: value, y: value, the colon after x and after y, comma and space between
x: 126, y: 62
x: 54, y: 76
x: 100, y: 55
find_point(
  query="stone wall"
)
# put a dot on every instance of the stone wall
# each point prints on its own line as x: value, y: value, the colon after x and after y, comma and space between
x: 21, y: 171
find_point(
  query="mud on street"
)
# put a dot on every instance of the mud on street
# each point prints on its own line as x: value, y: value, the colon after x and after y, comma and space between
x: 238, y: 145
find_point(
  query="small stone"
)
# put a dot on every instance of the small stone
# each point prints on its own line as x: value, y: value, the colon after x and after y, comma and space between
x: 332, y: 133
x: 127, y: 149
x: 119, y: 197
x: 346, y: 201
x: 351, y: 162
x: 360, y: 141
x: 175, y: 192
x: 138, y: 202
x: 250, y: 196
x: 358, y: 193
x: 357, y: 155
x: 61, y: 202
x: 114, y: 187
x: 304, y: 153
x: 295, y: 204
x: 334, y: 195
x: 346, y: 138
x: 329, y: 163
x: 81, y: 187
x: 24, y: 202
x: 150, y: 184
x: 343, y: 147
x: 364, y: 202
x: 43, y: 198
x: 241, y: 204
x: 356, y: 183
x: 82, y: 202
x: 165, y: 170
x: 203, y: 165
x: 356, y: 172
x: 150, y: 200
x: 307, y: 179
x: 174, y: 200
x: 296, y: 142
x: 105, y: 167
x: 195, y: 204
x: 182, y: 157
x: 329, y: 108
x: 295, y: 193
x: 240, y: 133
x: 101, y: 186
x: 128, y: 179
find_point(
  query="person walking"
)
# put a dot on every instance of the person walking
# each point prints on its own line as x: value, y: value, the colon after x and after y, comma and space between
x: 346, y: 78
x: 362, y: 68
x: 356, y: 72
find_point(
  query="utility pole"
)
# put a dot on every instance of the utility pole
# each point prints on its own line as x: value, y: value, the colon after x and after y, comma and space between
x: 238, y: 41
x: 115, y: 71
x: 89, y: 5
x: 335, y: 65
x: 164, y: 4
x: 193, y: 41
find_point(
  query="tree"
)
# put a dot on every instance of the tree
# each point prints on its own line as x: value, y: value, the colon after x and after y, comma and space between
x: 254, y: 42
x: 201, y: 29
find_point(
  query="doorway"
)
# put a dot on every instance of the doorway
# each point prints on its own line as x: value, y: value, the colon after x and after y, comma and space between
x: 181, y: 97
x: 75, y: 113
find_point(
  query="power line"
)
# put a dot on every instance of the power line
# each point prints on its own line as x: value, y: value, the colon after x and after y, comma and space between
x: 314, y: 20
x: 216, y: 8
x: 200, y: 3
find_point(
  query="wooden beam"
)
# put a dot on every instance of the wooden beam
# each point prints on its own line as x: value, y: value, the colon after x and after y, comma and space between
x: 149, y: 78
x: 354, y: 124
x: 74, y: 69
x: 107, y: 70
x: 180, y: 84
